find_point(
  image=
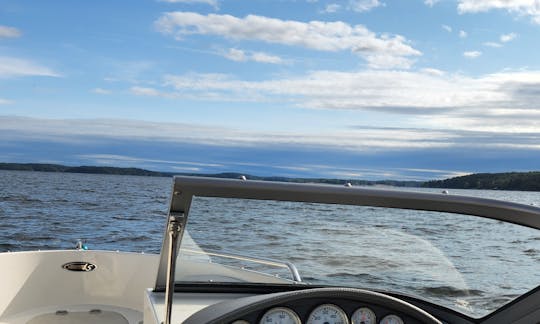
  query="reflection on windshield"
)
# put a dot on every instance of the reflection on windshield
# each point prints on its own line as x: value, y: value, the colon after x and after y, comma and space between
x: 470, y: 264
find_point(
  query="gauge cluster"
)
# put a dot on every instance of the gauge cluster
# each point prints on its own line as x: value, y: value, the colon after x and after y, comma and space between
x: 324, y: 305
x: 321, y: 312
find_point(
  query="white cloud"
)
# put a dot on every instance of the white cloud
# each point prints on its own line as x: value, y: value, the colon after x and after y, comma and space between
x: 9, y: 32
x: 5, y: 101
x: 505, y: 38
x: 15, y: 67
x: 462, y: 34
x: 266, y: 58
x: 417, y: 93
x: 353, y: 138
x: 430, y: 3
x: 315, y: 35
x: 212, y: 3
x: 364, y: 5
x: 447, y: 28
x: 332, y: 7
x: 472, y: 54
x: 432, y: 71
x: 381, y: 61
x: 101, y: 91
x: 530, y: 8
x: 149, y: 92
x: 492, y: 44
x: 123, y: 159
x: 238, y: 55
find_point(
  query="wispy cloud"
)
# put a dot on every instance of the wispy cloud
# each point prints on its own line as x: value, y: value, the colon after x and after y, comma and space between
x: 529, y: 8
x: 213, y: 3
x: 9, y: 32
x: 490, y: 102
x: 492, y: 44
x: 239, y: 55
x: 472, y: 54
x: 505, y: 38
x: 127, y: 159
x: 392, y: 90
x: 462, y: 34
x: 16, y: 67
x: 101, y: 91
x: 364, y: 5
x: 447, y: 28
x: 331, y: 8
x: 394, y: 50
x: 5, y: 101
x: 150, y: 92
x: 128, y: 71
x: 370, y: 139
x: 430, y: 3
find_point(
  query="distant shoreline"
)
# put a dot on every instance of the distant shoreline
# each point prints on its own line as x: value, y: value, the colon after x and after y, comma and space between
x: 523, y: 181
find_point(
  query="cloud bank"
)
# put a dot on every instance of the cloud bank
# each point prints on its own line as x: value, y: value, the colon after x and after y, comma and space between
x: 529, y: 8
x: 380, y: 51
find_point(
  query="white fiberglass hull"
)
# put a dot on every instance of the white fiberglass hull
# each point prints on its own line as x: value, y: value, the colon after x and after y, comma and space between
x: 36, y: 286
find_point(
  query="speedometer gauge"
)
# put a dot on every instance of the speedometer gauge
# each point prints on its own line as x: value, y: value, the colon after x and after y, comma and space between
x: 363, y: 315
x: 280, y: 315
x: 391, y: 319
x: 327, y: 314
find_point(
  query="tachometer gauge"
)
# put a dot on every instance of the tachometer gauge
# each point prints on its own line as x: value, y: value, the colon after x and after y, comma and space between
x: 363, y: 315
x: 391, y: 319
x: 280, y: 315
x: 327, y: 314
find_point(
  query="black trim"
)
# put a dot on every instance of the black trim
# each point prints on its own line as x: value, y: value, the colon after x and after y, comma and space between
x: 510, y: 304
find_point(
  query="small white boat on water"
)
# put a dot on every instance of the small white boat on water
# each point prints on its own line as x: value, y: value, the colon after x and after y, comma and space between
x: 384, y: 274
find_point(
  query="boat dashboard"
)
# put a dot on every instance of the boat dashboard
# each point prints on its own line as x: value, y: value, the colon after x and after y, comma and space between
x: 319, y: 305
x: 298, y: 305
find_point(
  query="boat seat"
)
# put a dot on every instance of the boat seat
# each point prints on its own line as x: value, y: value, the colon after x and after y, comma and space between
x: 92, y: 316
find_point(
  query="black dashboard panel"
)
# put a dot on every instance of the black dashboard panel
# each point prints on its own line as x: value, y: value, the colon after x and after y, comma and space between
x: 304, y: 301
x: 304, y: 307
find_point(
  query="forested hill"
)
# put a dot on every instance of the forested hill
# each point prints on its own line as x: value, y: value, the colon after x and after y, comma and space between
x: 232, y: 175
x: 526, y: 181
x: 78, y: 169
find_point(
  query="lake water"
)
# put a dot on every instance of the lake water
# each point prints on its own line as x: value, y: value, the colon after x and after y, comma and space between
x: 471, y: 264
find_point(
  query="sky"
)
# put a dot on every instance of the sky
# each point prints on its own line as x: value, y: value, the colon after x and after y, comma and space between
x: 357, y: 89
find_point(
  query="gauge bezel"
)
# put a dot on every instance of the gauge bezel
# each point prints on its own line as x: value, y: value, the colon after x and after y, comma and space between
x: 287, y: 310
x: 336, y: 307
x: 393, y: 316
x: 374, y: 316
x: 240, y: 321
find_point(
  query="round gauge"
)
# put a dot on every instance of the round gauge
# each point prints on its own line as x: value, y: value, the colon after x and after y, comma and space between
x: 240, y: 322
x: 327, y: 314
x: 391, y: 319
x: 280, y: 315
x: 363, y: 315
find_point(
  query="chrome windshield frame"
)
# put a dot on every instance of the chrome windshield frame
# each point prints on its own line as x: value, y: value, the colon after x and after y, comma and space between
x: 186, y: 187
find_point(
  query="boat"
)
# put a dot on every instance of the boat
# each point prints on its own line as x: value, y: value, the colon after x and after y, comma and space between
x: 192, y: 283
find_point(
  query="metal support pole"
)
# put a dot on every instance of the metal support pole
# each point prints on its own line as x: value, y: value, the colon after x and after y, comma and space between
x: 174, y: 229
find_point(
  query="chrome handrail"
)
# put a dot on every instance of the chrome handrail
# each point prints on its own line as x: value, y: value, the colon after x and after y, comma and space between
x: 266, y: 261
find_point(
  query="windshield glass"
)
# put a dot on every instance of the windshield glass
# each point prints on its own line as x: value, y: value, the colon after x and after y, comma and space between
x: 470, y: 264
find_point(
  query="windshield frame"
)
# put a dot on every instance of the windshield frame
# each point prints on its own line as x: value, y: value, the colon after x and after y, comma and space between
x: 185, y: 188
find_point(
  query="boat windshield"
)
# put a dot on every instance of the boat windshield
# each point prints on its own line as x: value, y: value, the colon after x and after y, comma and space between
x: 471, y: 264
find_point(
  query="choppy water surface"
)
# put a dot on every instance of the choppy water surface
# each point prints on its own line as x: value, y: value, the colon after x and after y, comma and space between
x: 471, y: 264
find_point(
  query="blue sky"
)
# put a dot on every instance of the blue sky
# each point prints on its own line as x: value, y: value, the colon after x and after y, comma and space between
x: 360, y: 89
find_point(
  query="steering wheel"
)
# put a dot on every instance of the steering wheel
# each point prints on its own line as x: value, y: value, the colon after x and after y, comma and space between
x: 229, y: 311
